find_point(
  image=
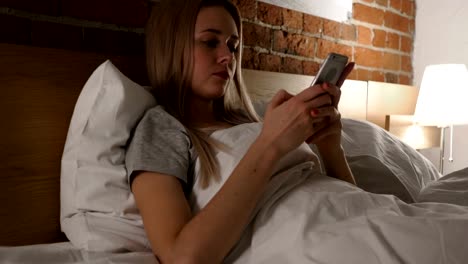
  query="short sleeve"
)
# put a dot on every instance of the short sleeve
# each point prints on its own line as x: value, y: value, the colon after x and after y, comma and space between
x: 160, y: 144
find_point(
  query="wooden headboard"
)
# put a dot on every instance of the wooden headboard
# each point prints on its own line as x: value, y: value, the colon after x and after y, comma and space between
x: 39, y: 88
x: 363, y: 100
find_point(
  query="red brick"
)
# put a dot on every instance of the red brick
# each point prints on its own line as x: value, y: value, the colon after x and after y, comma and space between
x: 397, y: 22
x: 303, y: 45
x: 391, y: 77
x: 270, y: 62
x: 380, y: 38
x: 406, y: 64
x: 407, y: 7
x: 113, y: 42
x: 54, y: 35
x: 256, y: 35
x: 412, y: 26
x: 363, y: 75
x: 368, y: 14
x: 331, y: 28
x: 269, y: 14
x: 310, y: 67
x: 46, y: 7
x: 247, y: 8
x: 377, y: 76
x: 295, y: 44
x: 293, y: 19
x: 280, y: 43
x: 348, y: 32
x: 250, y: 59
x: 393, y: 41
x: 15, y: 30
x: 391, y: 61
x: 368, y: 57
x: 406, y: 44
x: 404, y: 79
x: 383, y: 3
x: 395, y: 4
x: 353, y: 75
x: 124, y: 13
x: 324, y: 47
x: 364, y: 35
x: 291, y: 65
x: 313, y: 24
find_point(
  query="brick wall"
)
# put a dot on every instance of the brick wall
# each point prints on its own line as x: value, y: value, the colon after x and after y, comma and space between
x: 379, y: 37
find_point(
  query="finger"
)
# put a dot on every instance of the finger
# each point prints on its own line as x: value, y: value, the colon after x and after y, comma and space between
x: 317, y: 128
x: 323, y: 100
x: 329, y: 111
x: 334, y: 91
x: 335, y: 128
x: 347, y: 70
x: 325, y: 130
x: 280, y: 97
x: 321, y: 121
x: 310, y: 93
x: 331, y: 89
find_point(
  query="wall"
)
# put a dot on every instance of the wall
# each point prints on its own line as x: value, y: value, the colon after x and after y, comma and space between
x: 75, y: 24
x: 378, y: 38
x: 442, y: 37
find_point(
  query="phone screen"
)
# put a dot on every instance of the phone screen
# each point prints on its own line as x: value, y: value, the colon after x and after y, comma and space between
x: 331, y: 69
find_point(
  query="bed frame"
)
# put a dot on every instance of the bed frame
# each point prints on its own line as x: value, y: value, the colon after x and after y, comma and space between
x: 39, y: 89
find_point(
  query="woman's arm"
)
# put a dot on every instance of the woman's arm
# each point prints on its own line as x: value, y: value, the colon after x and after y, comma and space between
x: 328, y: 138
x: 336, y: 165
x: 176, y: 235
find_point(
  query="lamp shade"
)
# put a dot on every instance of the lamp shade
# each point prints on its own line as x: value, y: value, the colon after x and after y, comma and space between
x: 443, y: 96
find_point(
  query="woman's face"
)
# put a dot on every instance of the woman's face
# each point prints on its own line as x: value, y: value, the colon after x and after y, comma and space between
x: 216, y: 41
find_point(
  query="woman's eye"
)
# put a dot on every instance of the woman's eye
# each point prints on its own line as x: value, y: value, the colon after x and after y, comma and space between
x: 233, y: 48
x: 211, y: 43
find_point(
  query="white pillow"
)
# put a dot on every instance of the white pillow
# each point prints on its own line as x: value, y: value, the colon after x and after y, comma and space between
x: 98, y: 211
x: 451, y: 188
x: 381, y: 163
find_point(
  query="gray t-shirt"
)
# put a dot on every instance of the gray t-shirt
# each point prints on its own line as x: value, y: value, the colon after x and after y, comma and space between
x: 161, y: 144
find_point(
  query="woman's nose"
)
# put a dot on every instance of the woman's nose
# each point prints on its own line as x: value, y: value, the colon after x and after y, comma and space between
x: 225, y: 55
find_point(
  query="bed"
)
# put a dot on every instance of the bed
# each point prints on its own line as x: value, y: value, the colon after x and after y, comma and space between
x: 397, y: 214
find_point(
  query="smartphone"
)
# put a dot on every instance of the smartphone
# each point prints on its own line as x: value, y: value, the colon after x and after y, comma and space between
x: 331, y: 69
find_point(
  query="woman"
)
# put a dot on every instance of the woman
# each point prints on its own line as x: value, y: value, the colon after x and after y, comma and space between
x: 194, y: 53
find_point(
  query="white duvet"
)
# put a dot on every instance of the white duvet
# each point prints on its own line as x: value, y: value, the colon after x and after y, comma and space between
x: 307, y: 217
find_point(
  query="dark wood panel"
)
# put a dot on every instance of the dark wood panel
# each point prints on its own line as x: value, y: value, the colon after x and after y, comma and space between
x: 39, y: 88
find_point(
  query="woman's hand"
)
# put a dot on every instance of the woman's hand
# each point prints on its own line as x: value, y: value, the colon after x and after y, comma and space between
x: 311, y: 115
x: 329, y: 135
x: 290, y: 120
x: 328, y: 131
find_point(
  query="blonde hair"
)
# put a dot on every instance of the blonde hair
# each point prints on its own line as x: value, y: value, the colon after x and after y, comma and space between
x: 169, y: 52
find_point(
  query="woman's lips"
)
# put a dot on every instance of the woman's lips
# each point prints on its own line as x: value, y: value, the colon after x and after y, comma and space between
x: 223, y: 75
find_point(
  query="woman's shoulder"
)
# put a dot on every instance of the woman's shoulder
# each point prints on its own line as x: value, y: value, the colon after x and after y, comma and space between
x: 158, y: 117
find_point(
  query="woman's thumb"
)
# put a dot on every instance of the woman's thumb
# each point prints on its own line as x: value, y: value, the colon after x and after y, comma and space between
x: 280, y: 97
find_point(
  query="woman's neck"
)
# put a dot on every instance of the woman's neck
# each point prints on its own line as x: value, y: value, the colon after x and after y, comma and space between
x: 201, y: 115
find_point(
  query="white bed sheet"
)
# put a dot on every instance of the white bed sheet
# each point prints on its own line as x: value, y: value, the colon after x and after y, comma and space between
x: 327, y: 221
x: 309, y: 218
x: 66, y: 253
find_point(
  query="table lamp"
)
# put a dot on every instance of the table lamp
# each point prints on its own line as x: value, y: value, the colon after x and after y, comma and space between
x: 443, y: 101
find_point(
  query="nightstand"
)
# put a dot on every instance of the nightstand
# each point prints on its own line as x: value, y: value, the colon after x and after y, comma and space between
x: 419, y: 137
